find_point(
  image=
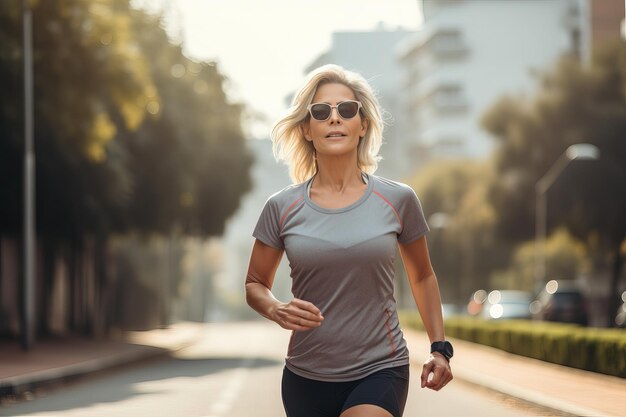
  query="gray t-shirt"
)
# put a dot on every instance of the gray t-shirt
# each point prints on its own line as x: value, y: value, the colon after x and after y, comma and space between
x: 342, y: 261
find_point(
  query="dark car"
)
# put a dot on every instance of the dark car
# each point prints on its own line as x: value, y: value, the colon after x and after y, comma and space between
x: 561, y: 301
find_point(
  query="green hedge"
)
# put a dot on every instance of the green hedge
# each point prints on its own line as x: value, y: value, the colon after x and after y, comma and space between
x: 592, y: 349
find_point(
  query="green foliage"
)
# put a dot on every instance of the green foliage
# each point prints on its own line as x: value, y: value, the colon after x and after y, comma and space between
x: 591, y: 349
x: 132, y: 139
x: 185, y: 151
x: 566, y: 259
x: 129, y: 133
x: 463, y: 250
x: 443, y: 184
x: 575, y: 105
x: 11, y: 119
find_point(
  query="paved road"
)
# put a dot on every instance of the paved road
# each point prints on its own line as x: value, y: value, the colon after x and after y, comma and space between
x: 233, y: 371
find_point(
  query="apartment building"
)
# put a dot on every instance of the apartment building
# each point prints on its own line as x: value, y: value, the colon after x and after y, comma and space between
x: 471, y: 52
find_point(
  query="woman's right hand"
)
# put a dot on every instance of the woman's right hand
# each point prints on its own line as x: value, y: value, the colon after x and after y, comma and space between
x: 297, y: 315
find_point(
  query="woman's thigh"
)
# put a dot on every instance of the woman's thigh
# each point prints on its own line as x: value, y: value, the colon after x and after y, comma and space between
x: 303, y: 397
x: 366, y: 410
x: 381, y: 394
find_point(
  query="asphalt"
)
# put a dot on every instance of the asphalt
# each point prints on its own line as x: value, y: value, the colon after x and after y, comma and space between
x: 566, y: 391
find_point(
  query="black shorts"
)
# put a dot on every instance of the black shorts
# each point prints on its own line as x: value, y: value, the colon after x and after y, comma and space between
x: 304, y: 397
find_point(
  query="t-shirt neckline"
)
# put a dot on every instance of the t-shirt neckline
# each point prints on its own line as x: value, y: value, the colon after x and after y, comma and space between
x: 361, y: 200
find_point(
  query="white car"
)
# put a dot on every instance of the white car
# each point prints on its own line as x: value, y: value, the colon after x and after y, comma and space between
x: 507, y: 304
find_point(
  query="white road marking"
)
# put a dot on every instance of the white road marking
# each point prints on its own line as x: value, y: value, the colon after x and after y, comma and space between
x: 226, y: 398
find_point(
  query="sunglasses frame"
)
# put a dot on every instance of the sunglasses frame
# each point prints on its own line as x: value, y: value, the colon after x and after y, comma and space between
x: 337, y: 108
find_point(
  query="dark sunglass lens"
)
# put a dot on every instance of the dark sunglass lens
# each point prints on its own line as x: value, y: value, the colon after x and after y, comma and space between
x: 320, y: 111
x: 348, y: 109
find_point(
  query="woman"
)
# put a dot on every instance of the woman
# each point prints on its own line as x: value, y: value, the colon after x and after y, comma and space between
x: 339, y: 226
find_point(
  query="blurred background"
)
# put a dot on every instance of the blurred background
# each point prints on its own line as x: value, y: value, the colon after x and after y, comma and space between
x: 138, y: 158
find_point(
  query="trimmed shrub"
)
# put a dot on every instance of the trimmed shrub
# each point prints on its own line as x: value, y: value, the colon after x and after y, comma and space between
x: 591, y: 349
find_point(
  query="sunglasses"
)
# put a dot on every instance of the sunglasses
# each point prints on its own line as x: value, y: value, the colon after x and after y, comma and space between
x: 346, y: 109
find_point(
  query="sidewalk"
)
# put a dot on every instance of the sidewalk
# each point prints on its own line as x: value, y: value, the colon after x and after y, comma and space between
x: 565, y: 390
x: 61, y: 359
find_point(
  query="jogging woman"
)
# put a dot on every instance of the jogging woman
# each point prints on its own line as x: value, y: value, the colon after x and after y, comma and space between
x: 340, y: 226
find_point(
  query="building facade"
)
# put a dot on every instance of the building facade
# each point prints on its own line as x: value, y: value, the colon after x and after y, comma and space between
x: 470, y: 53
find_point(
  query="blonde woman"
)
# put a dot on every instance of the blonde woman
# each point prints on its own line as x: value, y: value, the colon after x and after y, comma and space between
x: 340, y: 225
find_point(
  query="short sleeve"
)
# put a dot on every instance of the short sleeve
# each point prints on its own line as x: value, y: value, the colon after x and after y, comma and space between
x: 267, y: 227
x: 414, y: 224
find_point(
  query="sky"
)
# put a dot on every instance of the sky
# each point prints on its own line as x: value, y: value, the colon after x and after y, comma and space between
x: 263, y: 46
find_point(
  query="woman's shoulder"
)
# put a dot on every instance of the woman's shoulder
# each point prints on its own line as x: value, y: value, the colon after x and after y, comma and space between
x: 394, y: 189
x: 288, y: 195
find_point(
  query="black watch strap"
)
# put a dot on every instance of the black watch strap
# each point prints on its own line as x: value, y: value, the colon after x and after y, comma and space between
x: 443, y: 347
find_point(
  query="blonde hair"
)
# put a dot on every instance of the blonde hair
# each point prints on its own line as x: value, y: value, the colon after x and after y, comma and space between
x: 289, y: 143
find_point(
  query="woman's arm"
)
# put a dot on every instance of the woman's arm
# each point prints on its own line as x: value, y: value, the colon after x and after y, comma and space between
x: 295, y: 315
x: 424, y: 286
x: 425, y: 291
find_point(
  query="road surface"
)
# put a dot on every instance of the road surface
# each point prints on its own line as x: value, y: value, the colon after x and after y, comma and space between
x: 235, y: 371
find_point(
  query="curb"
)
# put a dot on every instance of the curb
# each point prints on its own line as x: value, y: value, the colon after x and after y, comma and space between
x: 143, y: 348
x: 20, y: 384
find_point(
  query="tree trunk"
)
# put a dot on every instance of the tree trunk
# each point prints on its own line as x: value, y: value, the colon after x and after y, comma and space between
x: 101, y: 275
x: 48, y: 246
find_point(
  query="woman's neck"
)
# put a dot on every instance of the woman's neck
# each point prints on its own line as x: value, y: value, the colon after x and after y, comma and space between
x: 337, y: 175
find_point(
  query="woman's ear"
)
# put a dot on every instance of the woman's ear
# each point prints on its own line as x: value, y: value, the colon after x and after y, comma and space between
x: 364, y: 125
x: 306, y: 131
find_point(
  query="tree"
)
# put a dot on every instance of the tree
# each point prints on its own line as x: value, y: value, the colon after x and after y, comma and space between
x: 463, y: 248
x: 566, y: 258
x: 576, y: 104
x: 190, y: 162
x: 130, y: 135
x: 11, y: 120
x: 86, y: 75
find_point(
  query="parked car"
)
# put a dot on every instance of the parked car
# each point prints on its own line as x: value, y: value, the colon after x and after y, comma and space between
x: 561, y: 301
x: 507, y: 304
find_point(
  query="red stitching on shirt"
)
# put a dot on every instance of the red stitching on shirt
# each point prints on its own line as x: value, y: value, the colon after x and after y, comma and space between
x: 392, y: 207
x: 393, y: 348
x: 280, y: 224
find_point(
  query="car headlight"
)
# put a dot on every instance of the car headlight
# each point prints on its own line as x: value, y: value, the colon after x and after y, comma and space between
x: 496, y: 311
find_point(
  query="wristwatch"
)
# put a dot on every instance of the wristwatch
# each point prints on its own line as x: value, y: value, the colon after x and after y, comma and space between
x: 444, y: 347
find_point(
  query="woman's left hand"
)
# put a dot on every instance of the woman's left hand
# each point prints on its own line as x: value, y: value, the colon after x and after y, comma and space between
x: 439, y: 368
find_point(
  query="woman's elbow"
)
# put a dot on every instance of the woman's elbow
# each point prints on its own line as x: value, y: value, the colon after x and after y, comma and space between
x: 249, y: 286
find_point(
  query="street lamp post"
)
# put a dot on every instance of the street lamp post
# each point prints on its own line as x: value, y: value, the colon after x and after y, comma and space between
x: 28, y: 318
x: 580, y: 151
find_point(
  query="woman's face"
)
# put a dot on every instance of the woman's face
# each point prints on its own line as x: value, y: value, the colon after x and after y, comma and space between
x: 334, y: 136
